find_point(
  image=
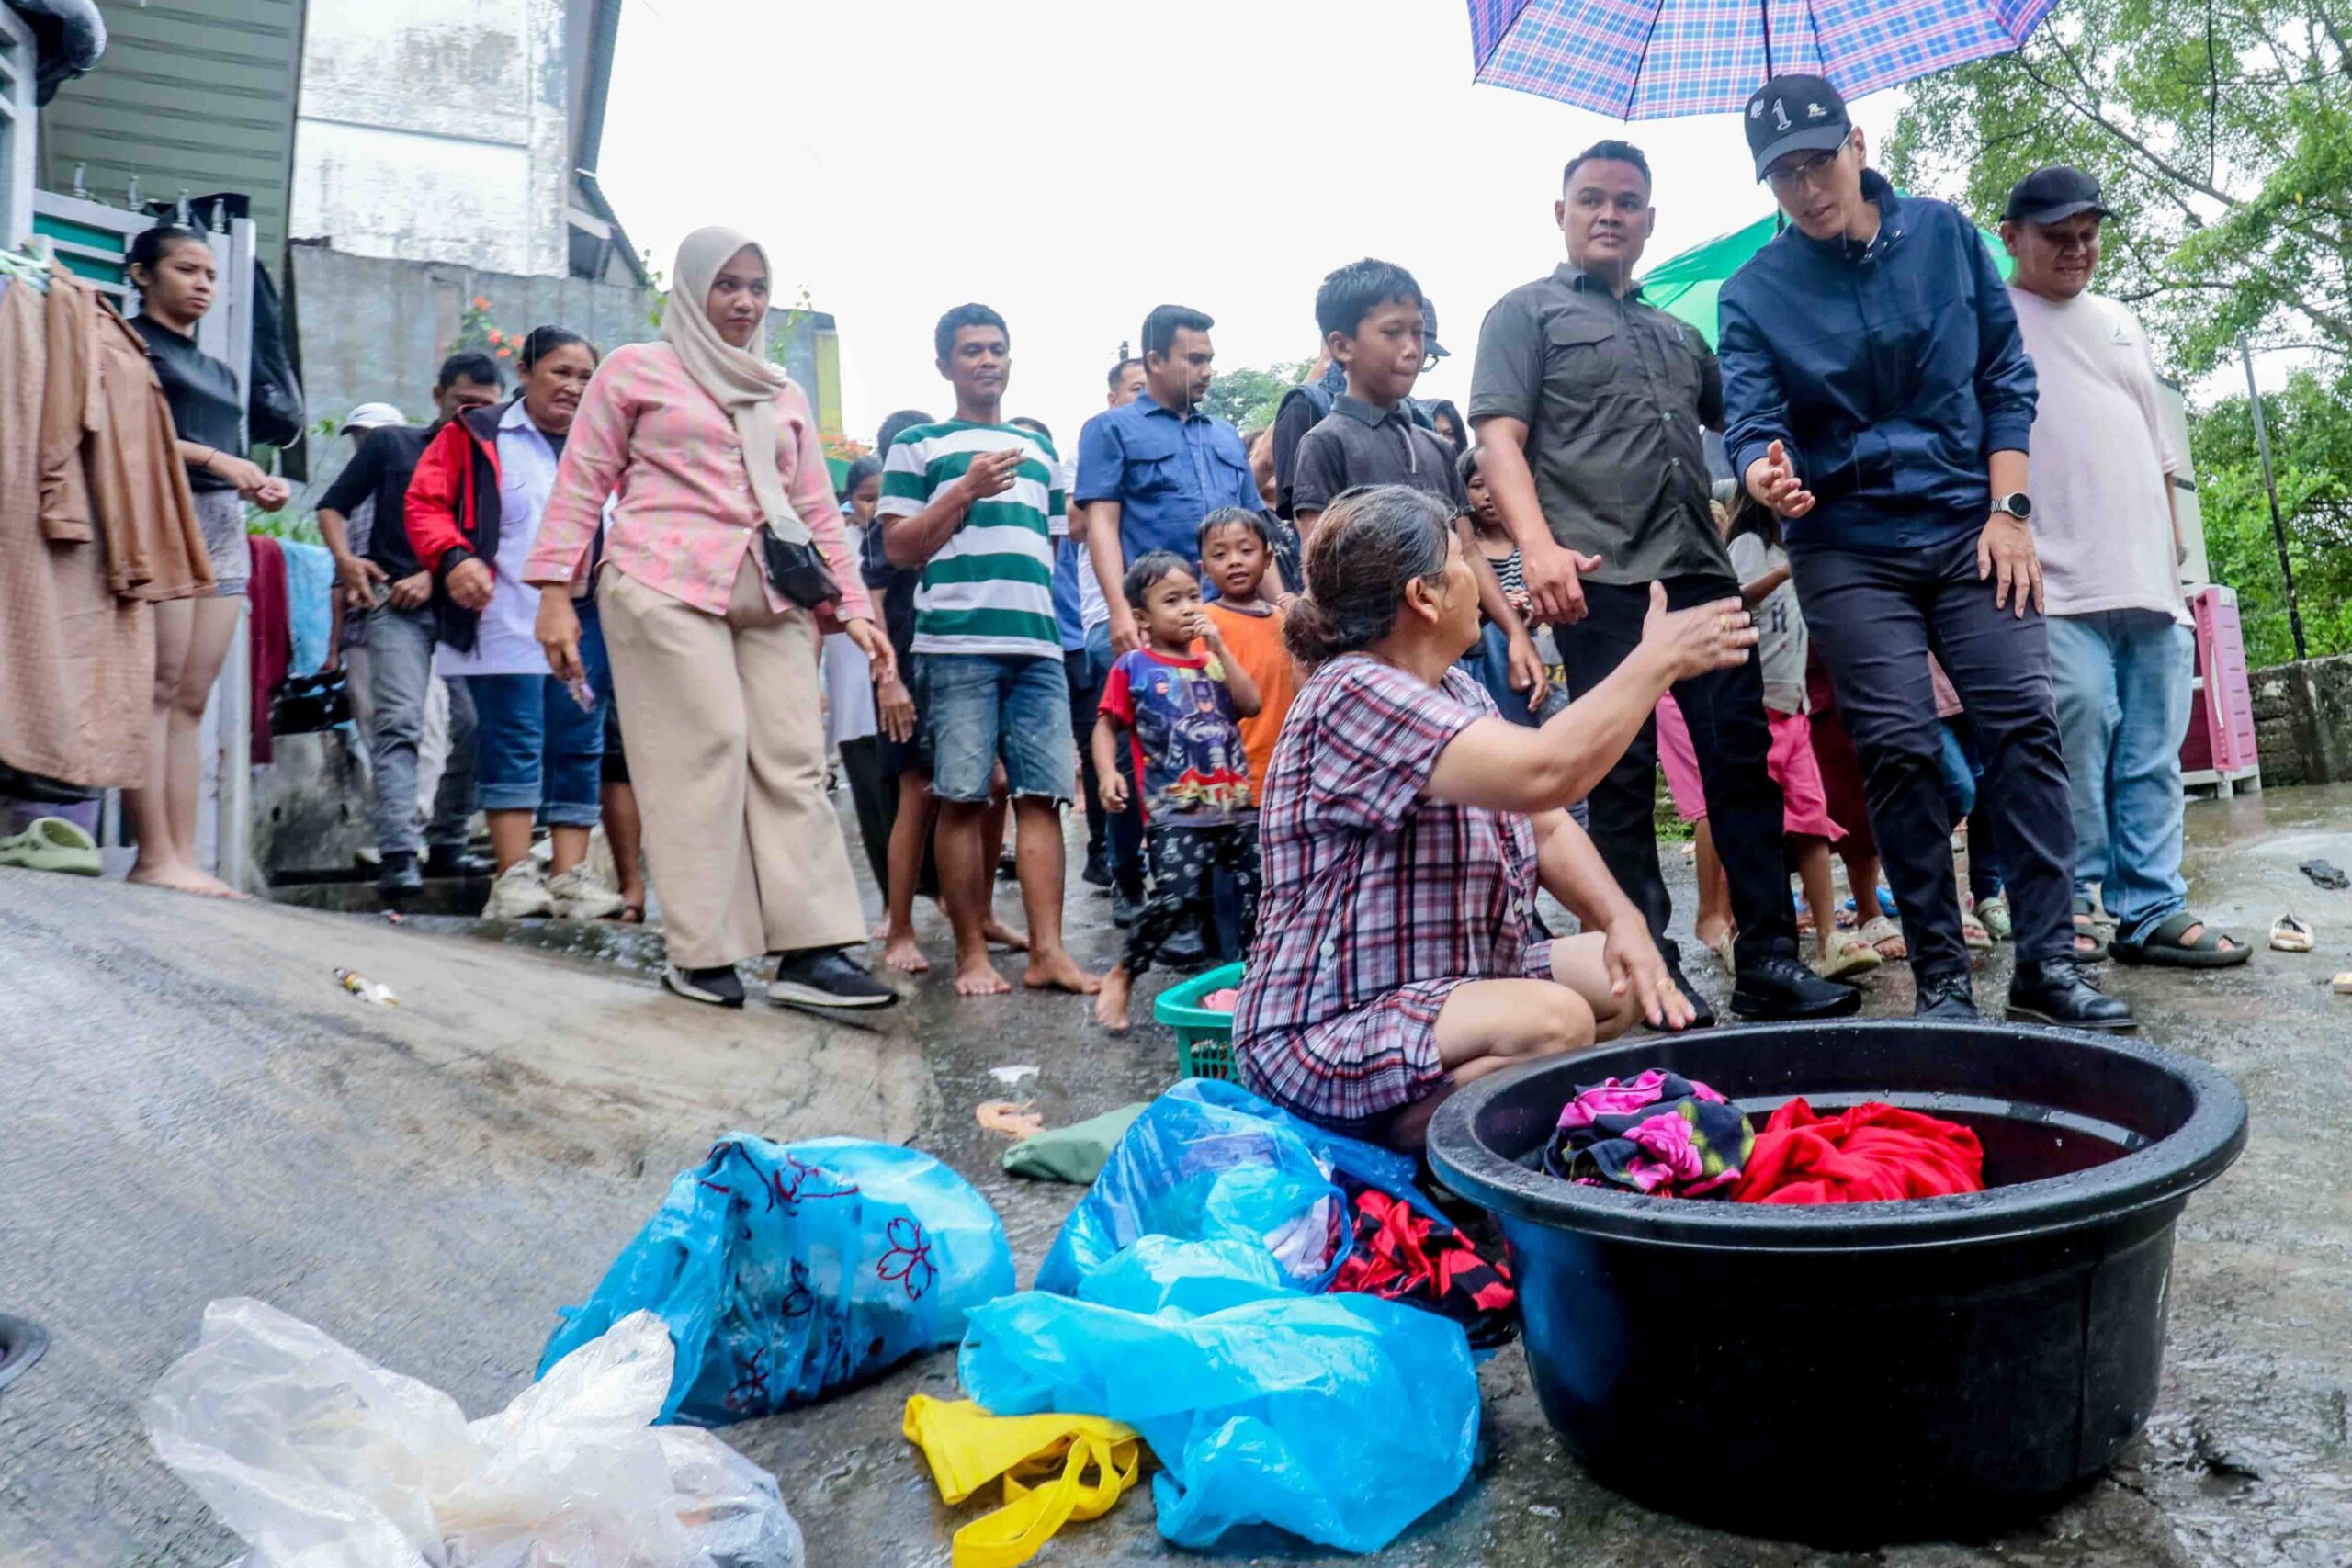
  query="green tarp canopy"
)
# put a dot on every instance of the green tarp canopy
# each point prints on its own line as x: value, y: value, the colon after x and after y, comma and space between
x: 1686, y: 287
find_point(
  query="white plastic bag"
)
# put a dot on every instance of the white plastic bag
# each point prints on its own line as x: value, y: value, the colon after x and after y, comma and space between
x: 320, y: 1459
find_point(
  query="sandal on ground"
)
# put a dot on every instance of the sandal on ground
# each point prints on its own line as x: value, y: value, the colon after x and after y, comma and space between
x: 1850, y: 957
x: 630, y: 915
x: 2289, y: 934
x: 1972, y: 933
x: 1994, y: 913
x: 2163, y: 945
x: 51, y: 843
x: 2091, y: 936
x: 1722, y: 948
x: 1878, y: 930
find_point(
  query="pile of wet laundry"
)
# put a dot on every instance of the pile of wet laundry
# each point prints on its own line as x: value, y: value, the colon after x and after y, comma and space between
x: 1670, y: 1136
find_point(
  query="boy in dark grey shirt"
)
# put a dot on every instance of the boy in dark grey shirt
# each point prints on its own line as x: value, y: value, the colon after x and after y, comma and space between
x: 1371, y: 315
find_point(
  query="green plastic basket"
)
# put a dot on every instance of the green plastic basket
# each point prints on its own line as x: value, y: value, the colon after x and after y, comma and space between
x: 1204, y: 1035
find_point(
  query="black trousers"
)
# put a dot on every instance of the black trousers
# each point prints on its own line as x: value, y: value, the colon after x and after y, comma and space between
x: 1184, y: 866
x: 1728, y: 731
x: 1085, y: 697
x: 1875, y: 616
x: 877, y: 799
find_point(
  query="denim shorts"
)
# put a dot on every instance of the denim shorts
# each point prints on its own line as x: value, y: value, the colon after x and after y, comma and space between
x: 534, y: 748
x: 975, y: 707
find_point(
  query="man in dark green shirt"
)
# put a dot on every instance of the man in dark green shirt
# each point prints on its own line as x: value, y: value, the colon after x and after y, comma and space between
x: 1590, y: 408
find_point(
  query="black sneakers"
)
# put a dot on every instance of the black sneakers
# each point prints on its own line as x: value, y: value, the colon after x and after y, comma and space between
x: 718, y: 987
x: 1127, y: 907
x: 455, y: 860
x: 2055, y: 992
x: 825, y: 978
x: 1946, y: 998
x: 1777, y: 988
x: 398, y: 880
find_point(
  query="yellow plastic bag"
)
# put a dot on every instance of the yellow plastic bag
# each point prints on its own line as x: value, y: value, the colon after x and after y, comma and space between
x: 1045, y: 1461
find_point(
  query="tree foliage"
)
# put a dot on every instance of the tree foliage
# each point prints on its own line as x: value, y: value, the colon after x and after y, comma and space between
x: 1248, y: 397
x: 2310, y: 452
x: 2222, y: 134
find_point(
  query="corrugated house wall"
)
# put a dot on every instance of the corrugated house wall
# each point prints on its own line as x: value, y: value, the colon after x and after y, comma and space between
x: 193, y: 95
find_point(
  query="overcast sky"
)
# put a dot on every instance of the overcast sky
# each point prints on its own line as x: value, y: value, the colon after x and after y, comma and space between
x: 1075, y: 163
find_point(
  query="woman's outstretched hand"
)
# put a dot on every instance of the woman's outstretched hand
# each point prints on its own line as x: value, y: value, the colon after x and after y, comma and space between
x: 874, y: 646
x: 558, y: 631
x: 1703, y: 638
x: 1636, y: 967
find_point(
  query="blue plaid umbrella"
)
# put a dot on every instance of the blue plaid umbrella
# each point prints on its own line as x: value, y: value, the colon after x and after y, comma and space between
x: 1657, y: 59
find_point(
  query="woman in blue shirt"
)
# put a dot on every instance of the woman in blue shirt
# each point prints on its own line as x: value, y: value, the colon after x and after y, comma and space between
x: 1878, y: 396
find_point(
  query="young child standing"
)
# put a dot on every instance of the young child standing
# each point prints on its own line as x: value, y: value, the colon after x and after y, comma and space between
x: 1236, y: 549
x: 1181, y: 711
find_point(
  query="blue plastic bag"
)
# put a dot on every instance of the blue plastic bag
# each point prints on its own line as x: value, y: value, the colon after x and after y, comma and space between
x: 787, y: 1271
x: 1209, y: 1160
x: 1340, y: 1418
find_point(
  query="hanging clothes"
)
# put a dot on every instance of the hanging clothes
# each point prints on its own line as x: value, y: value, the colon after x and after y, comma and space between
x: 268, y: 635
x: 310, y: 604
x: 109, y: 453
x: 77, y: 663
x: 1659, y: 1132
x: 1872, y: 1153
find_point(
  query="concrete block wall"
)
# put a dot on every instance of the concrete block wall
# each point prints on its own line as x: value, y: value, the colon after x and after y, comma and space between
x: 2303, y: 720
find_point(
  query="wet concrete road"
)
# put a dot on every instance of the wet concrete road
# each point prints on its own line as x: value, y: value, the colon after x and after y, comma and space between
x: 193, y: 1108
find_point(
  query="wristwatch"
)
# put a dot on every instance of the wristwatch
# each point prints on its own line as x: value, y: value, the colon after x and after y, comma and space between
x: 2017, y: 503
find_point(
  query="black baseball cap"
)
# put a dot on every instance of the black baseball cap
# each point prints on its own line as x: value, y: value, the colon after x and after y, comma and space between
x: 2047, y: 196
x: 1795, y: 114
x: 1430, y: 346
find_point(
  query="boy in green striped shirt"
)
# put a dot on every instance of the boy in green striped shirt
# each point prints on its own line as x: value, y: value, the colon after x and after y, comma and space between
x: 974, y: 503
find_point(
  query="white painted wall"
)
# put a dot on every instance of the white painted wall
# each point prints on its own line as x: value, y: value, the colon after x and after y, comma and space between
x: 436, y: 131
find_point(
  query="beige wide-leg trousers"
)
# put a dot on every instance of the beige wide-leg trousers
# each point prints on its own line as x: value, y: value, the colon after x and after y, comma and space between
x: 723, y: 720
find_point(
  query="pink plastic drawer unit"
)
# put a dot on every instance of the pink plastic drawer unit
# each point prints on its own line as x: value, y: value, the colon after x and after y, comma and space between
x: 2227, y: 707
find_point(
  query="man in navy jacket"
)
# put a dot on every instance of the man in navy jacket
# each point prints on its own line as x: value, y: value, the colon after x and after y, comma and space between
x: 1877, y: 394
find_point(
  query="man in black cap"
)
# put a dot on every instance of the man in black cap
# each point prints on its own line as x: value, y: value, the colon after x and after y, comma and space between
x: 2121, y: 650
x: 1590, y: 408
x: 1880, y: 398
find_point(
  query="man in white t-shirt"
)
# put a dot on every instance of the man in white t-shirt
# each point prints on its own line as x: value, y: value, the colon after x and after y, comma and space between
x: 2121, y: 646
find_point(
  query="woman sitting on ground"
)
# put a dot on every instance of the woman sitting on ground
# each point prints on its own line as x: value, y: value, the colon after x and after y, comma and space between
x: 1405, y: 827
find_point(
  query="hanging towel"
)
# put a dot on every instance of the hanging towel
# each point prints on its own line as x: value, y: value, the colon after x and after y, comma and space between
x: 310, y: 604
x: 1045, y: 1461
x: 267, y: 633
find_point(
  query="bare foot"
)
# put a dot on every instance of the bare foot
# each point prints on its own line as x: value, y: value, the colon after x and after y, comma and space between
x: 998, y: 934
x: 901, y: 953
x: 177, y: 878
x: 1111, y: 1003
x: 215, y: 889
x: 1057, y: 968
x: 976, y: 976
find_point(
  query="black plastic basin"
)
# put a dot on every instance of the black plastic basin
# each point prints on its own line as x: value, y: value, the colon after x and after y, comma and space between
x: 1858, y: 1372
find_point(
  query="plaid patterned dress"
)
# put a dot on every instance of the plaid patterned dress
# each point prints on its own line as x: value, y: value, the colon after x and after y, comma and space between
x: 1377, y: 902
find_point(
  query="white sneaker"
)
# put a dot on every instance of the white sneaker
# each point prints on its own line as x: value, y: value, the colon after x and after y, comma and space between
x: 520, y: 893
x: 580, y: 897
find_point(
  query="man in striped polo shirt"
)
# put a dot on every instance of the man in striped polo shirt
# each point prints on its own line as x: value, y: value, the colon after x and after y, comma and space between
x: 974, y: 502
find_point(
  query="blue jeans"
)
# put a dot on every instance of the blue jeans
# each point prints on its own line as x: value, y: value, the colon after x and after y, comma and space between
x: 535, y: 748
x: 2122, y: 680
x: 976, y: 707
